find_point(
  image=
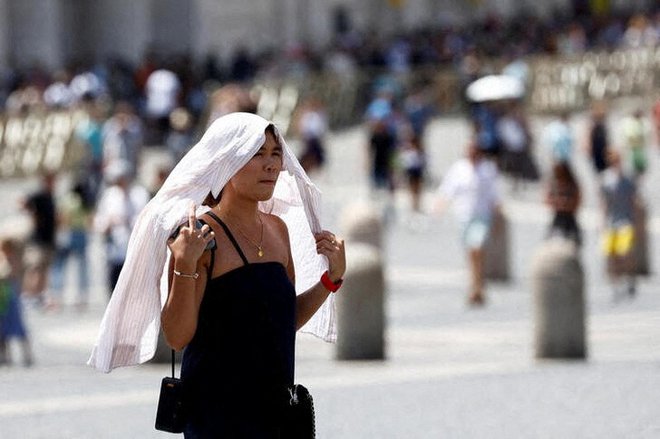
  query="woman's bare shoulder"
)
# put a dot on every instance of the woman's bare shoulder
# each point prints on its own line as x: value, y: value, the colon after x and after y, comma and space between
x: 274, y: 219
x: 278, y: 224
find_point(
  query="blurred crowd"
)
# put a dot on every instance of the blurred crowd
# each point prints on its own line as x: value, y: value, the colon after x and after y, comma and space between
x: 504, y: 149
x: 160, y: 81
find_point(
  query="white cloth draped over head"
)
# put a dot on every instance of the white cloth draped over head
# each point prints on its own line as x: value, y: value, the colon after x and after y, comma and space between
x: 129, y: 330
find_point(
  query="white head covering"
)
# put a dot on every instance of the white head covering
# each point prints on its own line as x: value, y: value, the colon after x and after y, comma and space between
x: 129, y: 329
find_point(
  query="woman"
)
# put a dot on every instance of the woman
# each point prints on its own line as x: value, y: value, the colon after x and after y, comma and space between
x: 234, y: 307
x: 563, y: 196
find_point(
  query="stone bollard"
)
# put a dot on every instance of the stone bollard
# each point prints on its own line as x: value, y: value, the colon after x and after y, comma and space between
x: 559, y: 306
x: 362, y: 222
x: 640, y: 251
x: 360, y: 305
x: 496, y: 250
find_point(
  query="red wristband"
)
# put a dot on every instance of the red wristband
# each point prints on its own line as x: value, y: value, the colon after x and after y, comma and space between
x: 329, y: 284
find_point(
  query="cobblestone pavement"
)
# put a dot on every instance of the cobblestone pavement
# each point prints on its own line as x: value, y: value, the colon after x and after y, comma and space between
x: 450, y: 372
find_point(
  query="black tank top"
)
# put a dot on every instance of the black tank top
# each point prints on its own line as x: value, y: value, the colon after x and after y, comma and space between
x: 241, y: 358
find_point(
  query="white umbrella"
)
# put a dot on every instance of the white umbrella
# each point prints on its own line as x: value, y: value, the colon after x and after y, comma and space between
x: 495, y: 88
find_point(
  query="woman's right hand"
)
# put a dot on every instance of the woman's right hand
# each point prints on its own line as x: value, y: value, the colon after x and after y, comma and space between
x: 188, y: 246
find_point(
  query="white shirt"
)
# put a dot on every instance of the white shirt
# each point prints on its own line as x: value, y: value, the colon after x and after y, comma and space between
x: 162, y: 89
x: 471, y: 188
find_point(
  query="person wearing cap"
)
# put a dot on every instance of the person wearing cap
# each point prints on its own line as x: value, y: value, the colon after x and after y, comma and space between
x: 233, y: 289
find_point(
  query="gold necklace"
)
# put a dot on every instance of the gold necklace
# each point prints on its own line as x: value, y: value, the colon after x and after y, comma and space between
x: 260, y: 250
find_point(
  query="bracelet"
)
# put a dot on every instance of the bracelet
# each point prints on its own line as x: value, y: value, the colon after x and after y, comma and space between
x: 329, y: 284
x: 191, y: 276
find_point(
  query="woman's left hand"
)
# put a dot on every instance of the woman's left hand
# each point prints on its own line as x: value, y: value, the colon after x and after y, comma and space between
x: 331, y: 247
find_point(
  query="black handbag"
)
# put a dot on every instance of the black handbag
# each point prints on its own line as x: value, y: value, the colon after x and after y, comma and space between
x: 300, y: 416
x: 170, y: 415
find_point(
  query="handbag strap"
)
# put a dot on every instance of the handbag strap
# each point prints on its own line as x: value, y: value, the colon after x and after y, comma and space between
x: 173, y: 355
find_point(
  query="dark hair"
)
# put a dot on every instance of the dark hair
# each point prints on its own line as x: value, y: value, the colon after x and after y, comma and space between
x: 272, y: 130
x: 562, y: 172
x: 212, y: 201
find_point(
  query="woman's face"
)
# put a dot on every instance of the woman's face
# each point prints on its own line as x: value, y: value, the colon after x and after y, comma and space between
x: 256, y: 180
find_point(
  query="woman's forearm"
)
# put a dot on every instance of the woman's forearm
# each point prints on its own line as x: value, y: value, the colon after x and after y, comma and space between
x: 179, y: 315
x: 309, y: 302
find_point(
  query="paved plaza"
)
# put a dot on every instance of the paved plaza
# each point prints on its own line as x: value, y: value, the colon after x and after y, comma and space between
x: 450, y: 371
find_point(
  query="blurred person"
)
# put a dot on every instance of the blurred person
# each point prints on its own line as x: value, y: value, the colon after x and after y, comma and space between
x: 87, y: 83
x: 382, y: 148
x: 162, y: 172
x: 243, y: 67
x: 397, y: 56
x: 123, y: 139
x: 297, y: 62
x: 640, y: 33
x: 470, y: 186
x: 485, y: 117
x: 227, y: 99
x: 312, y: 126
x: 381, y: 122
x: 597, y: 145
x: 470, y: 67
x: 24, y: 99
x: 248, y: 299
x: 58, y: 94
x: 573, y: 41
x: 116, y: 213
x: 516, y: 158
x: 162, y: 91
x: 89, y: 131
x: 340, y: 63
x: 619, y: 198
x: 39, y: 253
x: 413, y: 159
x: 563, y: 196
x: 558, y: 136
x: 12, y: 324
x: 634, y: 130
x: 74, y: 210
x: 148, y: 64
x: 381, y: 107
x: 418, y: 110
x: 180, y: 136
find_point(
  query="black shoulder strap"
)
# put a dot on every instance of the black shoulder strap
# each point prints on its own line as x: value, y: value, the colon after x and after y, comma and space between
x: 229, y: 235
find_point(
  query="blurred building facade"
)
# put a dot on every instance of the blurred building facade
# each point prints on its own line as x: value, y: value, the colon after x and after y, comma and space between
x: 51, y: 32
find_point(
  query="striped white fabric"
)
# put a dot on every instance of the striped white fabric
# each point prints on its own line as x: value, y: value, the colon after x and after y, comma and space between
x: 129, y: 330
